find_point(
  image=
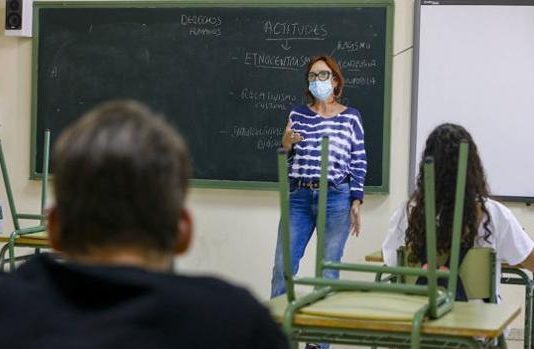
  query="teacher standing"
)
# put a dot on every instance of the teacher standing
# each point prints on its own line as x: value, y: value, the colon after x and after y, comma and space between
x: 347, y: 166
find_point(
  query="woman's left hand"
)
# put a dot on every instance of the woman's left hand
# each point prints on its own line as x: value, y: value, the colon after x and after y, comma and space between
x: 355, y: 218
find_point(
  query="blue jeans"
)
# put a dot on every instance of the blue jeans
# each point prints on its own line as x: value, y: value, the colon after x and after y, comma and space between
x: 302, y: 216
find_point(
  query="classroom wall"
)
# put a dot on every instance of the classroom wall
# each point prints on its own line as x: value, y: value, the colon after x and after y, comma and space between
x: 235, y: 229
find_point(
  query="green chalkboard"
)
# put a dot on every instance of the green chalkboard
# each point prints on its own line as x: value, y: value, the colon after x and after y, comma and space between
x: 226, y: 74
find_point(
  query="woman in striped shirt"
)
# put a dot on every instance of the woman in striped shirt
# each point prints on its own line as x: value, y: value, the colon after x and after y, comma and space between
x: 347, y: 166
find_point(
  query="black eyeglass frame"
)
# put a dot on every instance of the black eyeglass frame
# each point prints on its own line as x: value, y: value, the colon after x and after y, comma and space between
x: 323, y: 75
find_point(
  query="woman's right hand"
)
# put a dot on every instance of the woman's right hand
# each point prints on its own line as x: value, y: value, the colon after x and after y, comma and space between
x: 290, y: 137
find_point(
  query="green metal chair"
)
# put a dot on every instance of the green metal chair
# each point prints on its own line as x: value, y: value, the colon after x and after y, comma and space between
x: 30, y: 236
x: 381, y: 314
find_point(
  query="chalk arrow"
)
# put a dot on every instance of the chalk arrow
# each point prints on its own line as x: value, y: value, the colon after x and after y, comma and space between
x: 286, y: 46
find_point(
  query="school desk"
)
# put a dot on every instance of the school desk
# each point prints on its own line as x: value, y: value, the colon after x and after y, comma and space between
x: 511, y: 275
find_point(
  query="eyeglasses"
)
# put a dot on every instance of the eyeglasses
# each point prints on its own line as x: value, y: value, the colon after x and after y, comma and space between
x: 323, y: 75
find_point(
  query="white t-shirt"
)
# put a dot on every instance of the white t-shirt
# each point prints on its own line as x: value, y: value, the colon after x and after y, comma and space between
x: 510, y: 242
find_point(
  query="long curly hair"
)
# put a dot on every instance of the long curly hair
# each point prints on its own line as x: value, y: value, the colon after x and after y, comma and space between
x: 443, y: 145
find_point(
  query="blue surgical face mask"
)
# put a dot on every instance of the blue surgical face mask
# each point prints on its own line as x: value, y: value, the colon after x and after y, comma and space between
x: 321, y: 89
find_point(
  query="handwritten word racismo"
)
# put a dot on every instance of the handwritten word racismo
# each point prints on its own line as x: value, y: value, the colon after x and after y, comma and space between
x: 294, y: 29
x: 200, y: 20
x: 352, y: 46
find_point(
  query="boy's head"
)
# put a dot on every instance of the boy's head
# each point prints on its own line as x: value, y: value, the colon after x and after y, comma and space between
x: 120, y: 180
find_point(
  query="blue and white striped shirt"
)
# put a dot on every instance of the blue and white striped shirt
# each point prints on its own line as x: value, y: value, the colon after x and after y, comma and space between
x: 347, y: 159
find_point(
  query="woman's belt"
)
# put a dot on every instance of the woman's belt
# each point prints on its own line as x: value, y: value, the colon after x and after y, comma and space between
x: 298, y: 183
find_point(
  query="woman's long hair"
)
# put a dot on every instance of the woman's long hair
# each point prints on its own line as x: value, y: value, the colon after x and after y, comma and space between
x: 443, y: 145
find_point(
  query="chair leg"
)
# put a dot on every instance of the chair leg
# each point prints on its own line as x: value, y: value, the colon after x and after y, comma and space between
x: 11, y: 248
x: 501, y: 342
x: 529, y: 307
x: 3, y: 256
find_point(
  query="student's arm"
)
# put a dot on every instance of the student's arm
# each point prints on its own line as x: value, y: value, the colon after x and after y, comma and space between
x: 514, y: 245
x: 528, y: 263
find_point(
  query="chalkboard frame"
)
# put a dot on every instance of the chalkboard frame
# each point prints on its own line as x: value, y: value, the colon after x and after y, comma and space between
x: 388, y: 5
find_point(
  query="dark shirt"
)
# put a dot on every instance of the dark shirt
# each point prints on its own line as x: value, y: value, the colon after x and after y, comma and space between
x: 48, y: 304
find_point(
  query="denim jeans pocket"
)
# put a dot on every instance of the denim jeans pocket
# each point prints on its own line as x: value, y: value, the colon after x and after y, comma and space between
x: 340, y: 188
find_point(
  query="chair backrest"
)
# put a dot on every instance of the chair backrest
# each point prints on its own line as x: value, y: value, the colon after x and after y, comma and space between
x: 477, y: 272
x: 15, y: 215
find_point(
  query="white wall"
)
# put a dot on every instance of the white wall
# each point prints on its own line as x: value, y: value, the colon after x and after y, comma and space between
x: 235, y: 229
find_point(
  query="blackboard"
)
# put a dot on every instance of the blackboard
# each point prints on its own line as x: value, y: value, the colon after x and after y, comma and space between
x: 225, y: 76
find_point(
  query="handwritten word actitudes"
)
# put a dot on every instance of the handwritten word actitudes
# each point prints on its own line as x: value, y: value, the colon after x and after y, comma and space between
x: 352, y: 46
x: 268, y: 100
x: 264, y: 60
x: 295, y: 29
x: 202, y: 25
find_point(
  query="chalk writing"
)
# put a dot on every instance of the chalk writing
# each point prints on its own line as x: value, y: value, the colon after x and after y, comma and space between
x: 202, y: 25
x: 268, y: 143
x: 294, y: 30
x: 201, y: 20
x: 352, y: 46
x: 253, y: 131
x: 357, y: 64
x: 286, y: 32
x: 357, y: 81
x: 204, y: 32
x: 267, y: 100
x: 267, y: 61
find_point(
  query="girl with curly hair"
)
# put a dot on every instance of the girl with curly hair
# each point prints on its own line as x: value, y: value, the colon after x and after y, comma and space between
x: 486, y: 222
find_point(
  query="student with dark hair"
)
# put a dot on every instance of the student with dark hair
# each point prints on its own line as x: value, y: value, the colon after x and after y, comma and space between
x: 120, y: 180
x: 486, y: 222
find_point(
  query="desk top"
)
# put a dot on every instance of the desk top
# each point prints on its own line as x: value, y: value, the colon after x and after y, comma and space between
x: 33, y: 240
x: 375, y: 256
x: 465, y: 320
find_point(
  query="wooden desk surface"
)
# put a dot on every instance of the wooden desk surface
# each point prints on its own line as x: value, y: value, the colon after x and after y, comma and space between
x: 375, y: 256
x: 465, y: 320
x: 32, y: 240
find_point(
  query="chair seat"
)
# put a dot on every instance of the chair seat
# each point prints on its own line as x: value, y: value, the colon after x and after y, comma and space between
x: 368, y: 306
x: 393, y: 312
